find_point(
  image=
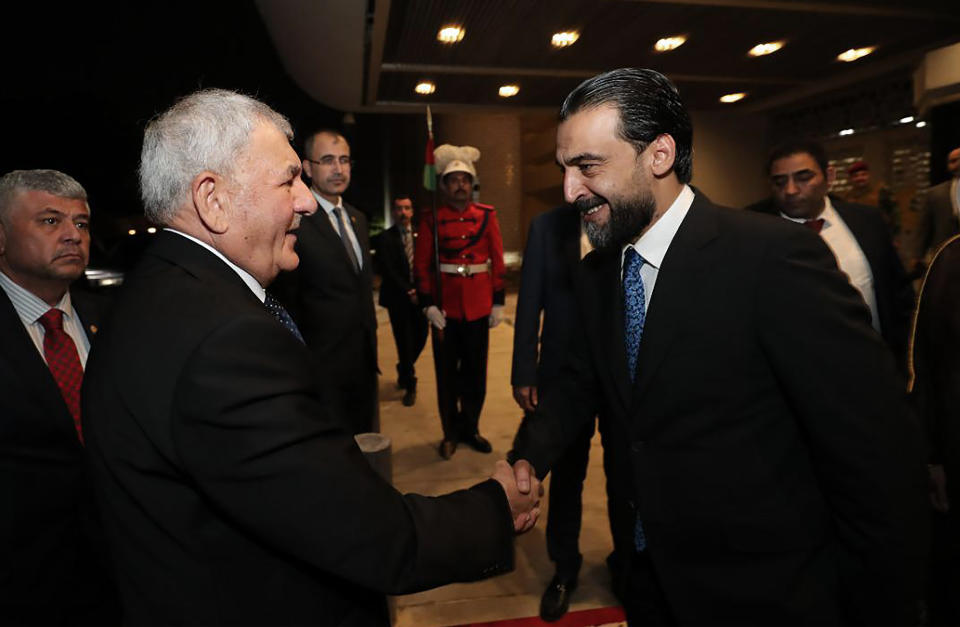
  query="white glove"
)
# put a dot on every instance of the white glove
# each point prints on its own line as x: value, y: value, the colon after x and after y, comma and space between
x: 435, y: 316
x: 496, y: 315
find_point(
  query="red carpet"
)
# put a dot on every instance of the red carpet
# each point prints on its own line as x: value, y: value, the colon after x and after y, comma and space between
x: 583, y: 618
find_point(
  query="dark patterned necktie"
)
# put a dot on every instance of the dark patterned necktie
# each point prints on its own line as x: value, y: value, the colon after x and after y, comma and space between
x: 408, y: 248
x: 64, y: 363
x: 814, y: 225
x: 274, y: 307
x: 351, y: 253
x: 634, y: 314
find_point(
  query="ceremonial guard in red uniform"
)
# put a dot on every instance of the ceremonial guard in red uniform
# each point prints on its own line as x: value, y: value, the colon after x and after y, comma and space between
x: 471, y: 295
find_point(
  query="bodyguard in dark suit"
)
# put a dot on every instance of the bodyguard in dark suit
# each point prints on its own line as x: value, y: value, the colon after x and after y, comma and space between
x: 942, y: 206
x: 330, y: 294
x: 53, y: 569
x: 550, y: 263
x: 856, y: 234
x: 776, y: 477
x: 398, y: 293
x: 230, y: 493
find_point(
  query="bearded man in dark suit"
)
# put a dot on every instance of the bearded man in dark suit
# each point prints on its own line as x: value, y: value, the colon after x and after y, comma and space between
x: 53, y: 568
x: 775, y: 476
x: 229, y: 491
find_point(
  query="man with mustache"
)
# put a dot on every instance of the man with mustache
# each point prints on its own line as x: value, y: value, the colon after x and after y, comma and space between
x: 467, y: 303
x: 856, y: 234
x: 330, y: 294
x: 53, y: 570
x: 775, y: 477
x: 230, y: 492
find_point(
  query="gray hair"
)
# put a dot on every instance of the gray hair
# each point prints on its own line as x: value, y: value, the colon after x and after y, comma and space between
x: 50, y: 181
x: 207, y: 130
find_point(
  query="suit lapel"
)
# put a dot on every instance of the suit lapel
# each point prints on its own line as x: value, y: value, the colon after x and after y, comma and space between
x: 604, y: 298
x: 676, y: 293
x: 862, y: 234
x: 27, y: 364
x: 320, y: 223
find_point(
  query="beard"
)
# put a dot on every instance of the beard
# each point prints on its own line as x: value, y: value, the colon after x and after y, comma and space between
x: 628, y: 218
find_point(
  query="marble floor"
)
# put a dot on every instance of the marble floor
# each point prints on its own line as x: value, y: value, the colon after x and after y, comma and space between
x: 415, y: 433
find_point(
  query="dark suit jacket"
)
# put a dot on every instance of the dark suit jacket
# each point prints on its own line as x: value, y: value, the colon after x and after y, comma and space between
x: 229, y: 494
x: 51, y: 542
x: 394, y: 268
x: 766, y: 436
x: 939, y: 220
x: 891, y: 286
x: 549, y: 266
x: 332, y: 304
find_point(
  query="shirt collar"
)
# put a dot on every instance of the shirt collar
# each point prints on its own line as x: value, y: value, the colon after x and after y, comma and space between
x: 28, y: 305
x: 254, y: 285
x: 829, y: 214
x: 653, y: 244
x: 326, y: 204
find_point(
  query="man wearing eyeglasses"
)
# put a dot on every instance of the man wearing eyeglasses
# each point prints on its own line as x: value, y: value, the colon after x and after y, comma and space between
x: 330, y: 293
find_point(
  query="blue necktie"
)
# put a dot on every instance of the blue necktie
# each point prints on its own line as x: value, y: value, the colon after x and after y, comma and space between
x: 277, y: 310
x: 634, y: 305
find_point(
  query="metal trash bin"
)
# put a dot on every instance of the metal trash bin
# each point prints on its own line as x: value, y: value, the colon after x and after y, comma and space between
x: 376, y: 448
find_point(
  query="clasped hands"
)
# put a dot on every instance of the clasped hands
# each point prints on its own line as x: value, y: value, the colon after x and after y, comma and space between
x: 523, y: 491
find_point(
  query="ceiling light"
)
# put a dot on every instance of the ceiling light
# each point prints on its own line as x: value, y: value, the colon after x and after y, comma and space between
x: 451, y: 34
x: 763, y: 49
x: 921, y: 124
x: 733, y: 97
x: 669, y: 43
x: 846, y: 131
x: 855, y: 53
x: 507, y: 91
x: 425, y: 88
x: 151, y: 230
x: 564, y: 39
x: 132, y: 232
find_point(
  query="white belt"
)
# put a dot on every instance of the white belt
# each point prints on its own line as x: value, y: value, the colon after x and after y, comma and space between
x: 465, y: 269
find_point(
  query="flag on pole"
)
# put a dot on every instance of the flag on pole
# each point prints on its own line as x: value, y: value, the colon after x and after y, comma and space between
x: 429, y: 167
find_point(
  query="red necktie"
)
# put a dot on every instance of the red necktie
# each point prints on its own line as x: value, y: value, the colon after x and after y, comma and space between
x: 64, y: 363
x: 814, y: 225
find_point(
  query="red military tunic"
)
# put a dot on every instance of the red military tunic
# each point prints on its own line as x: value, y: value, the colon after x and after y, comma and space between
x: 470, y: 237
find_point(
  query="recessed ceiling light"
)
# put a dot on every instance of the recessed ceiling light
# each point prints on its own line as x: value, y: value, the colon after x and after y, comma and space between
x: 451, y: 34
x: 764, y: 49
x: 846, y: 131
x: 855, y: 53
x: 564, y: 39
x: 921, y: 124
x: 508, y: 91
x: 151, y: 230
x: 669, y: 43
x: 425, y: 88
x: 906, y: 120
x: 733, y: 97
x: 132, y: 232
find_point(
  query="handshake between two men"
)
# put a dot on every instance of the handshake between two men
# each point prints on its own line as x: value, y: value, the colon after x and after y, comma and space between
x: 523, y: 491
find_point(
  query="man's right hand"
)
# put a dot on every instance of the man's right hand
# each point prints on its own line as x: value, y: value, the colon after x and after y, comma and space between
x: 526, y: 397
x: 435, y: 316
x: 524, y: 505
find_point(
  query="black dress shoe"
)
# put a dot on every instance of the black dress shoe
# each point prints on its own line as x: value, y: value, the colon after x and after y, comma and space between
x: 478, y: 443
x: 556, y: 598
x: 447, y: 449
x: 409, y: 398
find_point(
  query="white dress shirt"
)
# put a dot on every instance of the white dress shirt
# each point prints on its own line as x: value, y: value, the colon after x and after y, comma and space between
x: 329, y: 207
x: 652, y: 245
x: 849, y: 255
x: 31, y: 307
x: 251, y: 282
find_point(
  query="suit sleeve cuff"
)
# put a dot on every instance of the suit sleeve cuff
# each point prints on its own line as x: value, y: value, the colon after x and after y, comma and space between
x: 425, y: 300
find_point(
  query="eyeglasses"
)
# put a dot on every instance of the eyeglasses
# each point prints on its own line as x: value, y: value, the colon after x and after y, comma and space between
x: 329, y: 161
